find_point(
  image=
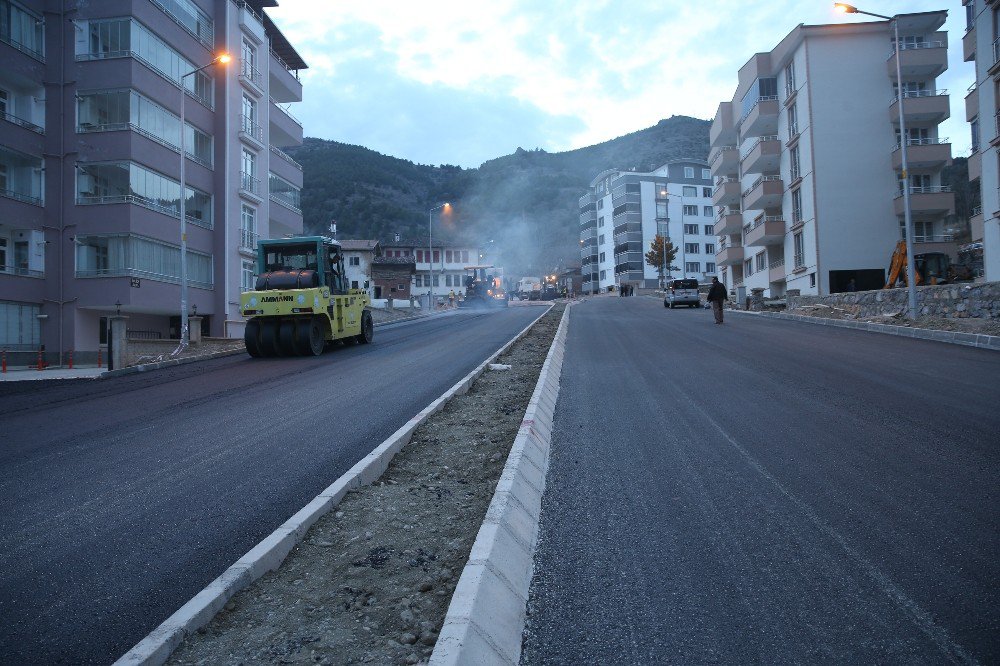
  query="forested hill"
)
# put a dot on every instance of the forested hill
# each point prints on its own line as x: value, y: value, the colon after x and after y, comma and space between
x: 526, y: 201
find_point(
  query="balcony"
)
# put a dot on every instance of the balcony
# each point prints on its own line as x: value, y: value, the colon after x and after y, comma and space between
x: 929, y: 200
x: 284, y: 81
x: 763, y: 156
x: 969, y: 45
x: 725, y: 161
x: 766, y: 230
x: 587, y: 234
x: 972, y: 103
x: 248, y: 242
x: 729, y: 255
x: 24, y: 177
x: 975, y: 166
x: 922, y: 106
x: 923, y: 154
x: 285, y: 130
x: 728, y: 223
x: 250, y: 185
x: 976, y: 226
x: 776, y: 270
x: 762, y: 119
x: 727, y: 192
x: 251, y: 77
x: 923, y: 60
x: 766, y: 192
x: 251, y: 131
x: 723, y: 131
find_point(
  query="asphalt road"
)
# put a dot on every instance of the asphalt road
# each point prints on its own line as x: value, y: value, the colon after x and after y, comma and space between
x: 766, y: 492
x: 122, y: 498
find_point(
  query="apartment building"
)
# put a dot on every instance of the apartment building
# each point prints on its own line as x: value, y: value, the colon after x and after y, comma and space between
x: 807, y: 156
x: 90, y: 163
x: 981, y: 45
x: 622, y: 212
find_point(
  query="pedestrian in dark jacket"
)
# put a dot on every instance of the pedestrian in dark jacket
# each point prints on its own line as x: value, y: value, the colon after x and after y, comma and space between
x: 717, y: 296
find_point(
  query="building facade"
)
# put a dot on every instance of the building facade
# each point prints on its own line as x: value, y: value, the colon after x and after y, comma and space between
x: 438, y: 275
x: 980, y: 45
x: 623, y: 212
x: 807, y: 157
x: 359, y: 255
x: 90, y: 163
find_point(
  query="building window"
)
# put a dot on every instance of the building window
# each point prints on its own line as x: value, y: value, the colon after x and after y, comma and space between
x: 602, y: 274
x: 248, y: 227
x: 761, y: 260
x: 691, y: 248
x: 437, y: 280
x: 447, y: 257
x: 284, y: 192
x: 691, y: 229
x: 706, y: 211
x: 793, y: 121
x: 795, y: 169
x: 600, y: 204
x: 130, y: 255
x: 706, y: 174
x: 709, y: 248
x: 691, y: 211
x: 354, y: 261
x: 706, y: 192
x: 465, y: 256
x: 248, y: 60
x: 437, y: 256
x: 689, y: 172
x: 248, y: 118
x: 709, y: 230
x: 693, y: 267
x: 600, y: 239
x: 812, y: 279
x: 790, y: 78
x: 248, y: 172
x: 600, y: 222
x: 127, y: 182
x: 661, y: 210
x: 974, y: 126
x: 447, y: 280
x: 24, y: 30
x: 709, y: 267
x: 601, y: 258
x: 247, y: 277
x: 689, y: 191
x: 799, y: 246
x: 748, y: 268
x: 796, y: 206
x: 19, y: 326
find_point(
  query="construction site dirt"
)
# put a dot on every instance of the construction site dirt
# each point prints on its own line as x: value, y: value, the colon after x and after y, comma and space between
x: 964, y: 325
x: 372, y: 580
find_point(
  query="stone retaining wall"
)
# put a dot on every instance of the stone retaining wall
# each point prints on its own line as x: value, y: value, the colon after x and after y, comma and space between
x: 953, y: 301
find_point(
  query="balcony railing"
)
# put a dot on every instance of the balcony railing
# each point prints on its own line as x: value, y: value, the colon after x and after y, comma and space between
x: 723, y: 212
x: 924, y: 142
x: 757, y: 142
x: 288, y: 68
x: 248, y: 183
x: 762, y: 179
x: 201, y: 28
x: 763, y: 219
x: 288, y: 158
x: 20, y: 196
x: 722, y: 180
x: 286, y: 112
x: 23, y: 48
x: 978, y: 210
x: 919, y: 93
x: 718, y: 154
x: 934, y: 238
x: 925, y: 189
x: 250, y: 73
x: 251, y: 128
x: 762, y: 98
x: 193, y: 217
x: 11, y: 118
x: 777, y: 263
x: 248, y: 240
x: 22, y: 272
x: 918, y: 45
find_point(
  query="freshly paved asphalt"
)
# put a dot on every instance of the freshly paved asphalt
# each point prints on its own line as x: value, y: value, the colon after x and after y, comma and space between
x: 122, y: 498
x: 766, y: 492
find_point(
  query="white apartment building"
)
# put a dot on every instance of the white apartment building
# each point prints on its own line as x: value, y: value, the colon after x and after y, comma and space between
x: 807, y: 157
x: 359, y: 254
x: 981, y: 44
x: 445, y: 271
x: 622, y: 213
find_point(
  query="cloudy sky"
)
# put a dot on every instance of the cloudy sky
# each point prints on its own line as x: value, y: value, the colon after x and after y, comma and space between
x: 464, y: 81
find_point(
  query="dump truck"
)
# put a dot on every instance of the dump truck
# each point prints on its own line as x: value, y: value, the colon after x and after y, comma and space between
x: 484, y: 288
x: 301, y: 302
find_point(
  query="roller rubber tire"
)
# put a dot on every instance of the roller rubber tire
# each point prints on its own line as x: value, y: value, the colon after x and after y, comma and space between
x: 309, y: 337
x: 367, y: 329
x: 269, y: 338
x: 251, y: 338
x: 286, y: 338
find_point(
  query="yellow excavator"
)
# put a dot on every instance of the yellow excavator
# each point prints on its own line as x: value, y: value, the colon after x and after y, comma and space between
x: 929, y: 268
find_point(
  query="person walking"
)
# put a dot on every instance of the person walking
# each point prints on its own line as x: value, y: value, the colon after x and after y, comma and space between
x: 451, y: 298
x: 717, y: 297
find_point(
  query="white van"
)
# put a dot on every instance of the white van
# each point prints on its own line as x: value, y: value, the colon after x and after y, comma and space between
x: 682, y: 292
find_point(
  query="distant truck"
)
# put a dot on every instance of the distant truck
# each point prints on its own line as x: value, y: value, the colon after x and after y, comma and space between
x: 527, y: 286
x: 484, y: 288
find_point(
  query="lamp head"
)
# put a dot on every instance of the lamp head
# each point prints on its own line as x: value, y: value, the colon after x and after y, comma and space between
x: 845, y: 8
x: 224, y: 58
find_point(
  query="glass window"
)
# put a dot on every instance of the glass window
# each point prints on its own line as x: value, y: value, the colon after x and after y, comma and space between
x: 793, y: 121
x: 22, y: 28
x: 285, y: 193
x: 465, y: 256
x: 709, y: 267
x: 790, y: 77
x: 689, y: 172
x: 706, y: 174
x: 690, y: 191
x: 691, y: 211
x: 691, y: 229
x: 761, y: 260
x: 661, y: 210
x: 794, y: 164
x: 247, y: 277
x: 691, y: 248
x: 447, y: 257
x: 799, y: 246
x: 19, y: 326
x: 709, y: 248
x: 707, y: 211
x: 127, y: 182
x: 748, y: 267
x: 118, y: 255
x: 796, y: 206
x: 709, y: 230
x: 692, y: 266
x: 706, y: 192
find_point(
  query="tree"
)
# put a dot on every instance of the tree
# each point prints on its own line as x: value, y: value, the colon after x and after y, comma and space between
x: 655, y: 255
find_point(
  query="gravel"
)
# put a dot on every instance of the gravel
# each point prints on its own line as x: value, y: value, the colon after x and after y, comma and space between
x: 965, y: 324
x: 372, y: 580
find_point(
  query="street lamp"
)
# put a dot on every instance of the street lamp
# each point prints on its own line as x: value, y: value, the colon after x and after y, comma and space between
x: 221, y: 58
x: 664, y: 193
x: 911, y: 287
x: 430, y: 253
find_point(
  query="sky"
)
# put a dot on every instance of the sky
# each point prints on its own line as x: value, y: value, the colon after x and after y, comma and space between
x: 464, y: 81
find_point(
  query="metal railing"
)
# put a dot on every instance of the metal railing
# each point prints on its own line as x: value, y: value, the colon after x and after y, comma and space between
x: 759, y: 181
x: 248, y: 183
x: 248, y: 240
x: 250, y: 73
x: 925, y: 189
x: 917, y: 45
x: 285, y: 65
x: 286, y: 112
x: 20, y: 196
x: 764, y: 219
x: 718, y: 154
x: 93, y: 200
x: 977, y: 210
x: 23, y: 48
x: 139, y: 334
x: 725, y: 211
x: 777, y: 263
x: 139, y: 273
x: 203, y: 32
x: 207, y: 103
x: 251, y: 129
x: 762, y: 98
x: 22, y: 272
x: 11, y: 118
x: 722, y: 180
x: 924, y: 142
x: 286, y: 202
x: 288, y: 158
x: 934, y: 238
x: 909, y: 94
x: 759, y: 140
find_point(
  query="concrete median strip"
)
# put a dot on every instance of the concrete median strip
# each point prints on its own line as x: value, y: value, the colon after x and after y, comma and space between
x: 485, y: 620
x: 267, y: 555
x: 977, y: 340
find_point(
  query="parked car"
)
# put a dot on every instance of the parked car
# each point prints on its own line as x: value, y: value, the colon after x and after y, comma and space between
x: 682, y: 292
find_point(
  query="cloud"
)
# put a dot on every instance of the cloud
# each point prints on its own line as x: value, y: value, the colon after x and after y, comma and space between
x: 460, y: 82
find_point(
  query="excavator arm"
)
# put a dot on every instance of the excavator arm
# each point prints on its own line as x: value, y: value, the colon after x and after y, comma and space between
x: 897, y: 267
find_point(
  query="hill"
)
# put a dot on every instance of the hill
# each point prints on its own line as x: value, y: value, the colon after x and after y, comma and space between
x: 526, y: 201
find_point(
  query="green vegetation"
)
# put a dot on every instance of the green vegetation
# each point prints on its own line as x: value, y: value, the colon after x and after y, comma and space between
x: 526, y: 201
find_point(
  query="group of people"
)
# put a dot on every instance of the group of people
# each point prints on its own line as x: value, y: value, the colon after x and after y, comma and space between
x: 626, y: 290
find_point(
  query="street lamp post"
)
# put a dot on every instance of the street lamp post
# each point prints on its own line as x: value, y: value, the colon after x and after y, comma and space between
x: 664, y: 193
x: 430, y: 254
x: 911, y: 287
x: 185, y: 334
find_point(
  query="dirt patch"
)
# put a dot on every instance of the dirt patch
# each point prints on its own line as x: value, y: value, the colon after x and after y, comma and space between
x: 963, y: 325
x: 372, y: 580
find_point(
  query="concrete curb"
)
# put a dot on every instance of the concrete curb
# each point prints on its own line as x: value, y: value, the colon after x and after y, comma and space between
x: 485, y: 620
x: 977, y: 340
x: 267, y: 555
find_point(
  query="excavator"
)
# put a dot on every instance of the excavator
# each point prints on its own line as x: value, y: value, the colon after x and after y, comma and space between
x: 929, y: 268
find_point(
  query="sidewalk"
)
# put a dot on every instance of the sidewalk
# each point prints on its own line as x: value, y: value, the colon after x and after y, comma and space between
x: 30, y: 374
